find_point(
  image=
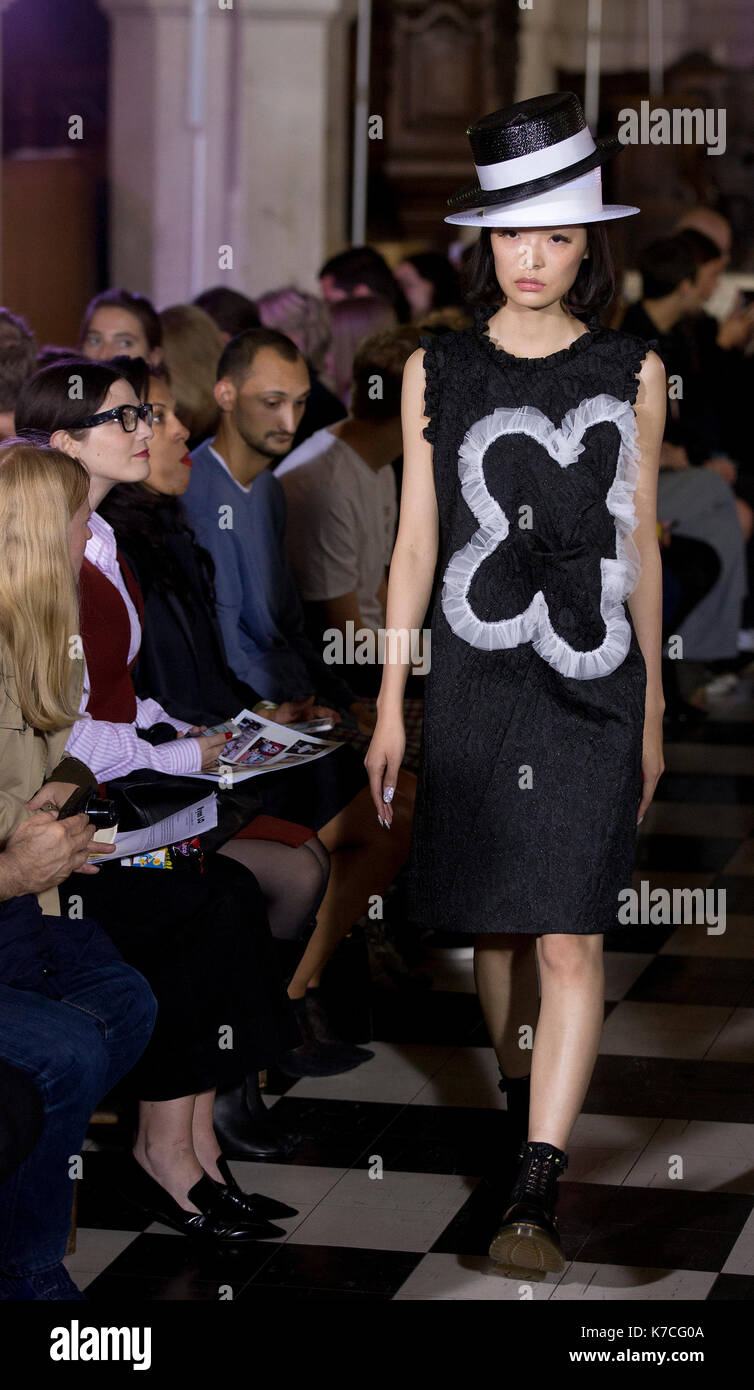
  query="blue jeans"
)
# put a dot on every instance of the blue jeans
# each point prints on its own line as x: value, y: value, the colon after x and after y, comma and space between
x: 75, y: 1049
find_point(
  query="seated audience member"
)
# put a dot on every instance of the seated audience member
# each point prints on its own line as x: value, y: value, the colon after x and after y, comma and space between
x: 116, y: 322
x: 429, y: 281
x: 202, y: 941
x: 690, y: 569
x: 18, y: 353
x: 193, y: 344
x: 74, y: 1018
x: 21, y: 1116
x: 294, y: 873
x: 341, y: 499
x: 52, y: 353
x: 724, y: 350
x: 261, y: 389
x: 182, y: 646
x: 237, y: 510
x: 360, y: 272
x: 353, y: 320
x: 306, y: 321
x: 679, y: 273
x: 231, y: 311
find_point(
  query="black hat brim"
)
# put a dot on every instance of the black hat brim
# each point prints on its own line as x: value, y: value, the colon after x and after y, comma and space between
x: 474, y: 196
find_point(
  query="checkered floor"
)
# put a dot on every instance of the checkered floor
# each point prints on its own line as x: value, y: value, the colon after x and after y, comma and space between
x: 674, y: 1078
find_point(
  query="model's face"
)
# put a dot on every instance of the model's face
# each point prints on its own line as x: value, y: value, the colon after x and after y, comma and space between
x: 108, y: 451
x: 418, y: 291
x: 114, y: 332
x: 536, y: 266
x: 169, y: 460
x: 78, y: 535
x: 267, y: 407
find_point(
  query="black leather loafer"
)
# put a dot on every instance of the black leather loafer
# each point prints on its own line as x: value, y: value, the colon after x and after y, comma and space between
x: 209, y: 1223
x: 250, y: 1204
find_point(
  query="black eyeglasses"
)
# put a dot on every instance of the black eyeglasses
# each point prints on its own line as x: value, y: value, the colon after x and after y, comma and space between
x: 127, y: 416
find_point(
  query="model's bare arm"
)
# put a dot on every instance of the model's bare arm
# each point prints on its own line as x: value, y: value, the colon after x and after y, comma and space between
x: 645, y: 603
x: 412, y: 571
x: 412, y: 566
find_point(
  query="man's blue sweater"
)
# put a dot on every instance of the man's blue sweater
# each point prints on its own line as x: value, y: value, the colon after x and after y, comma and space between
x: 257, y: 602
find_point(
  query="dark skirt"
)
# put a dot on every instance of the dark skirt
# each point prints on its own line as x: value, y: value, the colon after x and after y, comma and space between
x: 203, y: 943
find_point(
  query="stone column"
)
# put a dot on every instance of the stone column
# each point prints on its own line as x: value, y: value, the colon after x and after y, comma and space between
x: 254, y: 195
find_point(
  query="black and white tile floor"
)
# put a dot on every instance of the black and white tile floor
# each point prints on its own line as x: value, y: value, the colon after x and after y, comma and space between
x: 674, y: 1078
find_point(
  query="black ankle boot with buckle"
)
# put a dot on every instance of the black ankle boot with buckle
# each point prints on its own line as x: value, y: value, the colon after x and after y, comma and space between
x: 528, y: 1237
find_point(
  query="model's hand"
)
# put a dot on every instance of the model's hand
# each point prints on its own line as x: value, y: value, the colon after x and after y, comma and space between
x: 383, y: 762
x: 652, y: 761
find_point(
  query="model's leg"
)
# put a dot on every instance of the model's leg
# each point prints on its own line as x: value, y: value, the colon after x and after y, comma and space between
x: 565, y: 1047
x: 505, y: 971
x: 568, y: 1033
x: 364, y: 860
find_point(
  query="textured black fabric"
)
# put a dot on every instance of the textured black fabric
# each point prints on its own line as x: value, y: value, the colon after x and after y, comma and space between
x: 203, y: 943
x: 488, y: 853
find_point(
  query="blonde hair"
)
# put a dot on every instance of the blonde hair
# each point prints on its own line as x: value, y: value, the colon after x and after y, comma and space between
x: 41, y: 488
x: 304, y: 319
x: 193, y: 344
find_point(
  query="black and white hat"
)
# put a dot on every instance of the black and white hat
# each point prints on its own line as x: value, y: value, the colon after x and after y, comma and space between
x: 537, y: 166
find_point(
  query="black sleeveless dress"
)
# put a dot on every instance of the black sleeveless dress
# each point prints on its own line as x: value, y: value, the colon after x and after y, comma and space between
x: 530, y: 778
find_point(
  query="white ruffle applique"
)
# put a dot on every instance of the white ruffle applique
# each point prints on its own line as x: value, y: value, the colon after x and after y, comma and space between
x: 619, y: 576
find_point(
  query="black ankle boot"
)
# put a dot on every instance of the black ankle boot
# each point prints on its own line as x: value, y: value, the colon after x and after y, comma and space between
x: 244, y: 1126
x: 517, y: 1089
x: 316, y: 1057
x: 528, y: 1237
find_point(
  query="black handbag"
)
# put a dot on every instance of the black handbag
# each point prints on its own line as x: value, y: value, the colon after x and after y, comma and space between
x: 144, y: 797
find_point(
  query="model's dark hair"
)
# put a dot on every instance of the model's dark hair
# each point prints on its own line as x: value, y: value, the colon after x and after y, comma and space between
x: 666, y: 263
x: 238, y: 355
x: 57, y: 396
x: 592, y: 290
x: 136, y: 304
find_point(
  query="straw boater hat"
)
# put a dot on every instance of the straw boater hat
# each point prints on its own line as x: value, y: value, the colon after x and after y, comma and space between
x: 537, y: 166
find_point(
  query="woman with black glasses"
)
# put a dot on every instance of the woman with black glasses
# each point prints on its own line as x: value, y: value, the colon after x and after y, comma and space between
x: 201, y: 940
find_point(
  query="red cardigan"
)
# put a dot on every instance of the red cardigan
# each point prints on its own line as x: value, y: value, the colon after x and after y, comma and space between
x: 106, y: 637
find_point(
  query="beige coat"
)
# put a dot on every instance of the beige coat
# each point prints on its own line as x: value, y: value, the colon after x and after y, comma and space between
x: 29, y: 758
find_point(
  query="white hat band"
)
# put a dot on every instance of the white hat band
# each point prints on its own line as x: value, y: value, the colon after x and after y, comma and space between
x: 525, y: 167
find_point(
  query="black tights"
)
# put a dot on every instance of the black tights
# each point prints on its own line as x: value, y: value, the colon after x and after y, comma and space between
x: 293, y: 881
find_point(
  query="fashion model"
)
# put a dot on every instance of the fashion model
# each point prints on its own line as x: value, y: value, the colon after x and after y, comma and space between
x: 528, y: 529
